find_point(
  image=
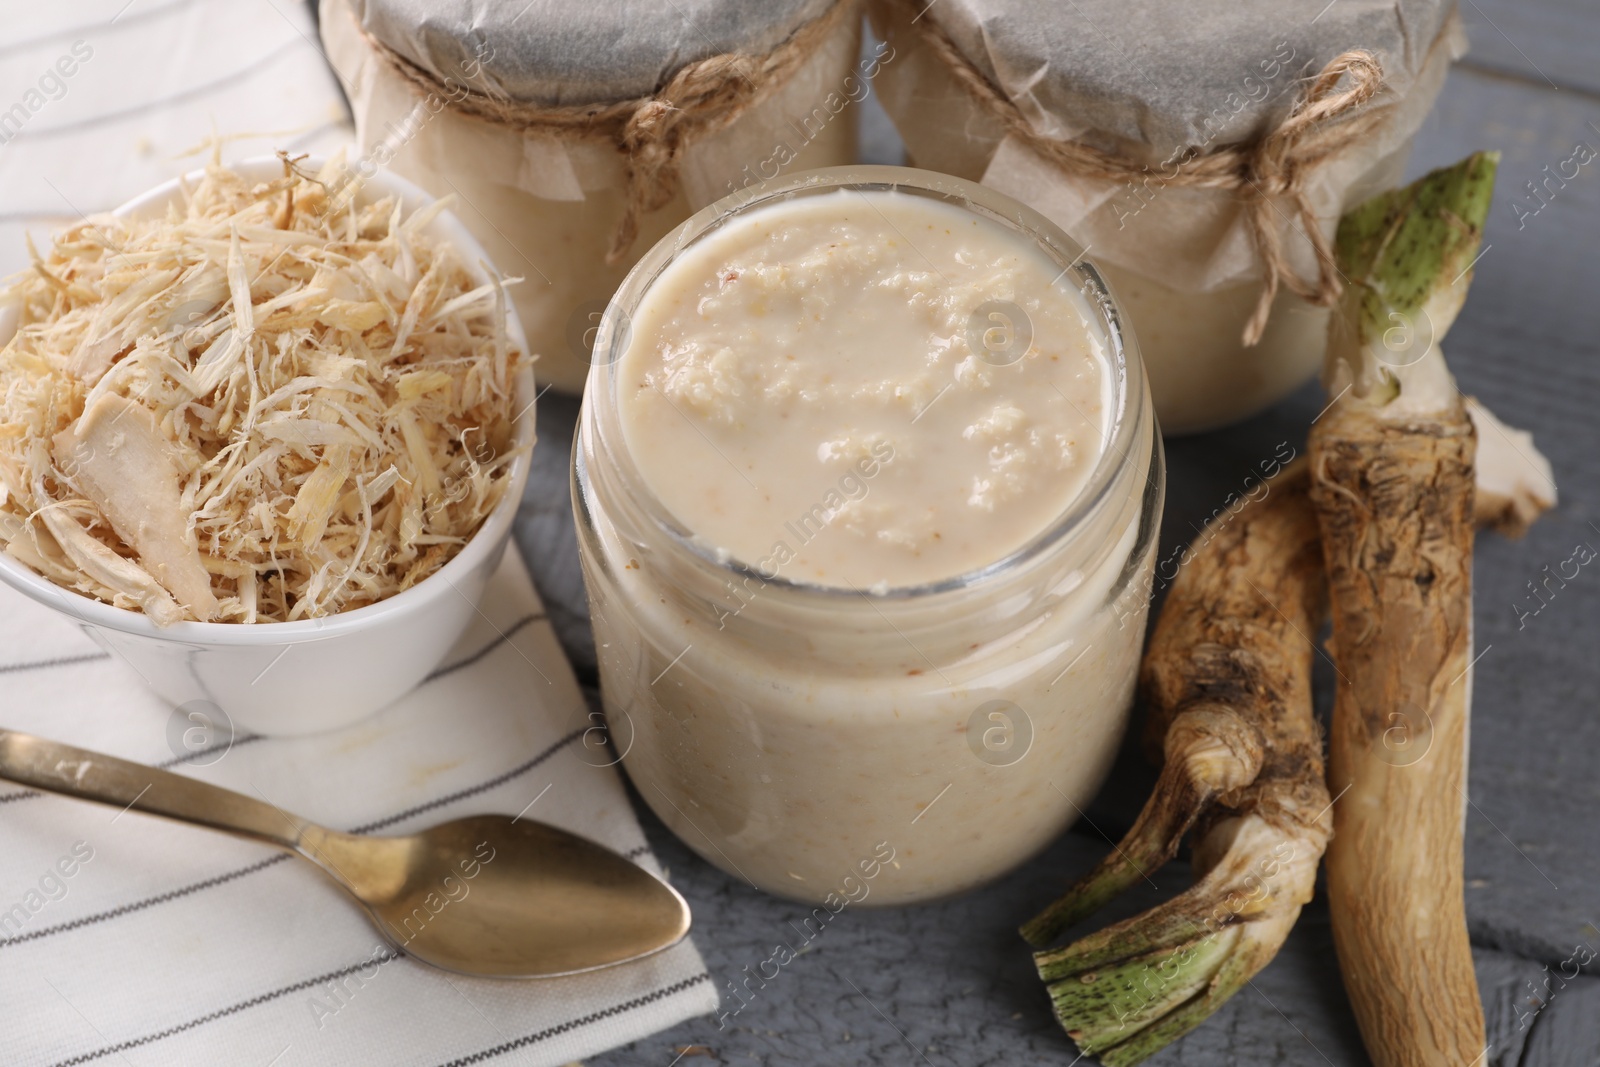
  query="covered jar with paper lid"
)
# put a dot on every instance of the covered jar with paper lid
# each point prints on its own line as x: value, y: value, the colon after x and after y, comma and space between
x: 573, y: 135
x: 1202, y: 158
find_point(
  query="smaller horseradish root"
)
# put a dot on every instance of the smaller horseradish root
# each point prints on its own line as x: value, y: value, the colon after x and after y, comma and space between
x: 1227, y: 678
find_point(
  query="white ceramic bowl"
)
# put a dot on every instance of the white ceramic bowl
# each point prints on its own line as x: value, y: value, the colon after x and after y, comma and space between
x: 319, y: 674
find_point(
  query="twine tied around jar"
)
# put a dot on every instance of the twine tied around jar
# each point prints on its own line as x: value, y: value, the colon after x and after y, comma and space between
x: 1322, y: 123
x: 652, y: 131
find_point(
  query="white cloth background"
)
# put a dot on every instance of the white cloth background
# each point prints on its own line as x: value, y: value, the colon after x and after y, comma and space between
x: 159, y: 77
x: 177, y: 946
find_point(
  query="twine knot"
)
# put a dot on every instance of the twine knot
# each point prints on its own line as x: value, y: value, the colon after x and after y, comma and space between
x: 1277, y: 166
x: 702, y: 95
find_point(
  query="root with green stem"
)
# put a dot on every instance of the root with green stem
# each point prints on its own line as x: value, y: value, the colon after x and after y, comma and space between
x: 1227, y: 678
x: 1393, y: 474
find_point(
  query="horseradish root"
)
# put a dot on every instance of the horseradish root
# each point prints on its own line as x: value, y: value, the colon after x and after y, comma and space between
x: 1513, y: 483
x: 1227, y: 678
x: 1392, y: 483
x: 267, y: 403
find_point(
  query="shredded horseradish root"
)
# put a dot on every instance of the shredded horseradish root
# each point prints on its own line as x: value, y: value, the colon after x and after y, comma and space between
x: 274, y: 402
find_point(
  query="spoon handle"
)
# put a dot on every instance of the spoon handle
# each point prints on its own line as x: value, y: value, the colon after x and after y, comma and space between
x: 78, y: 772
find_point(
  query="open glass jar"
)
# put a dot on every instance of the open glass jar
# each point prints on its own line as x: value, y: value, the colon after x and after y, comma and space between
x: 834, y: 744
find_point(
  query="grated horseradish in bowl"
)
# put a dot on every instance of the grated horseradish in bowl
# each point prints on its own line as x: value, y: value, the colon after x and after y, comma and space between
x: 264, y: 437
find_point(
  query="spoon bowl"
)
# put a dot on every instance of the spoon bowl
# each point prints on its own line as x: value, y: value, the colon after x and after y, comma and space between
x: 487, y: 895
x: 461, y: 895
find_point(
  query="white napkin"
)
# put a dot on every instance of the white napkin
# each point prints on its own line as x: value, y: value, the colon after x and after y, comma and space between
x: 128, y: 939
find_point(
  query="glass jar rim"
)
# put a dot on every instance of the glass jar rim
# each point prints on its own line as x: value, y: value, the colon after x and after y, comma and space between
x: 613, y: 334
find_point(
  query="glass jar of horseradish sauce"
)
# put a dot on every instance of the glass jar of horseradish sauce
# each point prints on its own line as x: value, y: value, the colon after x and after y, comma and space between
x: 867, y: 485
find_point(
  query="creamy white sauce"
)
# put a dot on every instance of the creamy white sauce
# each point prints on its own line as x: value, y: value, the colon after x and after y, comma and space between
x: 866, y: 389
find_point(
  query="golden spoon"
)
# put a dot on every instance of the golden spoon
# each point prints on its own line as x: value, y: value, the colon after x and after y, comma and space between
x: 487, y: 895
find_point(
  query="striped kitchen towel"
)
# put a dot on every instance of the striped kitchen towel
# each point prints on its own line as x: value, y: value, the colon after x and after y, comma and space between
x: 126, y: 939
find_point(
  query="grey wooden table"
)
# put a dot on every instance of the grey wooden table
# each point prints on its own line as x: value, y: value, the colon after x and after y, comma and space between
x: 951, y: 985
